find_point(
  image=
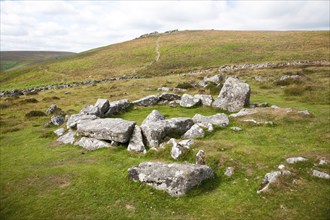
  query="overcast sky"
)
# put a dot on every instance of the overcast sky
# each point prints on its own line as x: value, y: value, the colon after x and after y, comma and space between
x: 82, y: 25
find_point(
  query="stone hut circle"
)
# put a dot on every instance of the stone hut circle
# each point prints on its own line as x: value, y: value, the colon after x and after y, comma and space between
x: 97, y: 126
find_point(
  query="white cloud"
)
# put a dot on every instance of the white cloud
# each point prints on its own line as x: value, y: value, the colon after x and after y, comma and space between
x: 82, y: 25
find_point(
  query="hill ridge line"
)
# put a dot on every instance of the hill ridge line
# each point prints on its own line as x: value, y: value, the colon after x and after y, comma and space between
x: 223, y: 68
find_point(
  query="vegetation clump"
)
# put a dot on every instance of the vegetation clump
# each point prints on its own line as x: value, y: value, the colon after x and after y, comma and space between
x: 34, y: 113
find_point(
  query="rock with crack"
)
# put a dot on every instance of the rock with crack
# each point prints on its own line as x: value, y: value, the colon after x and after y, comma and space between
x: 169, y: 96
x: 219, y: 119
x: 201, y: 157
x: 154, y: 132
x: 194, y: 132
x: 147, y: 101
x: 233, y: 96
x: 68, y: 138
x: 320, y: 174
x: 189, y: 101
x: 59, y: 132
x: 92, y: 143
x: 176, y: 179
x: 136, y: 141
x: 153, y: 117
x: 117, y: 107
x: 57, y: 120
x: 205, y: 99
x: 112, y: 129
x: 79, y: 118
x: 293, y: 160
x: 103, y: 105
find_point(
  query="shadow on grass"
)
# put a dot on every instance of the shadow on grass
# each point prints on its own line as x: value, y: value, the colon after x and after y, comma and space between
x: 206, y: 186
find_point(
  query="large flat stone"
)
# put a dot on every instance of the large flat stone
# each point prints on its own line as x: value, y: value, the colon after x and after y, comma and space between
x: 176, y: 179
x: 114, y: 129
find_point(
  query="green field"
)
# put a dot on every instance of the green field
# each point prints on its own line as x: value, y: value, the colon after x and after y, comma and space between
x: 41, y: 179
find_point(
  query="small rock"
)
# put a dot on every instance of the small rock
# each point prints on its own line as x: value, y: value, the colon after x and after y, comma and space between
x: 92, y: 143
x: 321, y: 174
x: 189, y: 101
x: 194, y: 132
x: 57, y: 120
x: 177, y: 150
x: 67, y: 138
x: 236, y: 128
x: 293, y: 160
x: 229, y: 171
x: 53, y: 109
x: 136, y: 141
x: 323, y: 162
x: 201, y: 157
x: 59, y: 132
x: 117, y: 107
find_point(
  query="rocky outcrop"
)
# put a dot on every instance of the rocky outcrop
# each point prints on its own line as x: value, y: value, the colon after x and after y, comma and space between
x: 233, y: 96
x: 176, y: 179
x: 92, y: 143
x: 117, y: 107
x: 147, y: 101
x: 219, y: 119
x: 79, y: 118
x: 189, y: 101
x: 112, y: 129
x: 194, y: 132
x: 154, y: 132
x: 136, y: 141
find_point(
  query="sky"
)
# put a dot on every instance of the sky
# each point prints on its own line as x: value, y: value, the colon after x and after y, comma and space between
x: 78, y: 26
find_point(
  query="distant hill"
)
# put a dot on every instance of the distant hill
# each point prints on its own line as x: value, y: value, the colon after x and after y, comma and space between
x: 171, y: 53
x: 13, y: 59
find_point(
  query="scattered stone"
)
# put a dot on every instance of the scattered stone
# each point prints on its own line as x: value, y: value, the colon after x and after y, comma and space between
x: 243, y: 112
x: 323, y: 162
x: 147, y: 101
x: 113, y: 129
x: 293, y: 160
x: 165, y: 89
x: 92, y: 143
x: 136, y: 141
x: 153, y: 117
x: 154, y: 132
x: 67, y: 138
x: 229, y: 171
x: 169, y: 96
x: 176, y: 179
x: 271, y: 178
x: 53, y: 109
x: 118, y: 107
x: 194, y: 132
x: 186, y: 143
x: 233, y: 96
x: 201, y: 158
x: 219, y: 119
x: 76, y: 119
x: 103, y: 105
x: 236, y: 128
x: 59, y: 132
x: 205, y: 99
x: 293, y: 77
x: 57, y: 120
x: 179, y: 90
x: 91, y: 110
x: 177, y: 150
x: 320, y: 174
x: 189, y: 101
x: 259, y: 122
x: 214, y: 79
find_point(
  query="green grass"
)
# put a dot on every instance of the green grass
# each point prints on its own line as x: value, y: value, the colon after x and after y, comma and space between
x: 179, y: 52
x: 42, y: 180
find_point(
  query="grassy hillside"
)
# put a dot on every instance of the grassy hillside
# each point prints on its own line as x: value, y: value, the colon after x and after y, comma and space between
x: 179, y: 52
x: 14, y: 59
x: 42, y: 180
